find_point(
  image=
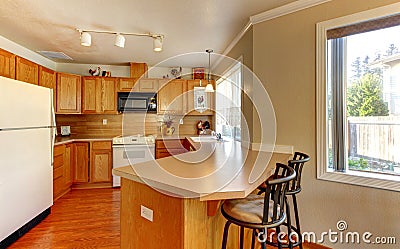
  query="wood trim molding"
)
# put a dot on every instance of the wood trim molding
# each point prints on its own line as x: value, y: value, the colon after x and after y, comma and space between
x: 285, y: 10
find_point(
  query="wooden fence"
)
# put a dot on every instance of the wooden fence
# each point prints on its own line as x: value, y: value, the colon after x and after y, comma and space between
x: 376, y: 138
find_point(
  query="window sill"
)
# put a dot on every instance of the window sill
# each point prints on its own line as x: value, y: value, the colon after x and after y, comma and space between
x: 365, y: 179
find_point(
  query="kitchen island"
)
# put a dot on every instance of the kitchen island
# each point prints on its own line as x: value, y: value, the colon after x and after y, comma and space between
x: 174, y: 202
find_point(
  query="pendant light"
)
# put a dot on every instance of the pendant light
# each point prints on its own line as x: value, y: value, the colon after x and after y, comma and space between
x: 119, y: 41
x: 209, y: 87
x: 157, y: 43
x: 86, y: 39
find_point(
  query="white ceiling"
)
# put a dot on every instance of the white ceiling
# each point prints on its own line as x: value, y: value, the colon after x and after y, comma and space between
x: 188, y: 26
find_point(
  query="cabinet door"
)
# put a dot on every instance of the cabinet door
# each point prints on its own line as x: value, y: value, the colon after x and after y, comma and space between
x: 100, y: 166
x: 68, y: 165
x: 48, y: 78
x: 138, y: 70
x: 91, y: 95
x: 7, y: 64
x: 68, y: 93
x: 26, y: 71
x: 109, y: 95
x: 81, y: 163
x: 170, y: 98
x: 128, y: 84
x: 190, y: 97
x: 148, y: 85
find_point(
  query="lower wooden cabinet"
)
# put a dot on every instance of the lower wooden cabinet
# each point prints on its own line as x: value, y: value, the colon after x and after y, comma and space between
x: 100, y: 162
x: 62, y: 170
x: 93, y: 163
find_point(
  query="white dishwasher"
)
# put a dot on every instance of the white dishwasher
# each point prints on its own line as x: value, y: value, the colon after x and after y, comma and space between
x: 129, y: 150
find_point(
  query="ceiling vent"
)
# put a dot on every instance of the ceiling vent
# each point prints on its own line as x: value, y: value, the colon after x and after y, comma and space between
x: 55, y: 55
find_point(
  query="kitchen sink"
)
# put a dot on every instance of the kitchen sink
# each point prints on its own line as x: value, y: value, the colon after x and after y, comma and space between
x: 204, y: 139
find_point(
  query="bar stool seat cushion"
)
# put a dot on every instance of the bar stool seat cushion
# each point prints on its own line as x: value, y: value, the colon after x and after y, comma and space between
x: 249, y: 209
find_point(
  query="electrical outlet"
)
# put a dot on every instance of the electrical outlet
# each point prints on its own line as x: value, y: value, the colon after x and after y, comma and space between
x: 181, y: 121
x: 146, y: 213
x: 104, y: 121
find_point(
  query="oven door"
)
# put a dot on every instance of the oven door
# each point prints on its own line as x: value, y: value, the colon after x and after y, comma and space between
x: 125, y: 155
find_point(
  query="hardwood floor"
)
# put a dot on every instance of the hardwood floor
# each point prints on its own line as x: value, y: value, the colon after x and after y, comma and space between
x: 83, y: 219
x: 79, y: 219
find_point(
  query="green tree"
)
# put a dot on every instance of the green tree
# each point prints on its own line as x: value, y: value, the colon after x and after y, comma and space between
x: 364, y: 97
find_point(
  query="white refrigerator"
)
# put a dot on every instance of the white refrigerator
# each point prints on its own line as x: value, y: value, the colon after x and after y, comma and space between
x: 26, y: 147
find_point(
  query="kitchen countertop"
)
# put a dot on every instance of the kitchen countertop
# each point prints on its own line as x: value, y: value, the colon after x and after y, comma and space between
x: 215, y: 171
x: 80, y: 138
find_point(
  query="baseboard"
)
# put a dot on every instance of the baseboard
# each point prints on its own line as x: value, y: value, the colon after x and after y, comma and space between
x: 24, y: 229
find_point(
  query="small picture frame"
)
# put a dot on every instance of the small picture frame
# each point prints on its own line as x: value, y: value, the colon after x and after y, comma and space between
x: 198, y: 73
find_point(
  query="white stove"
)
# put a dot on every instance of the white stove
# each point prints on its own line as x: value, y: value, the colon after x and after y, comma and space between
x: 128, y: 150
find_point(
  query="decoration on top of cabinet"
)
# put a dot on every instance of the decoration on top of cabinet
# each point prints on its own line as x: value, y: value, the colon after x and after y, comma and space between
x: 176, y: 72
x: 95, y: 72
x: 198, y: 73
x: 200, y: 99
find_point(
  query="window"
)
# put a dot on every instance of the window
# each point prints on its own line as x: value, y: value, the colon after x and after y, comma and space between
x: 228, y: 102
x: 358, y: 99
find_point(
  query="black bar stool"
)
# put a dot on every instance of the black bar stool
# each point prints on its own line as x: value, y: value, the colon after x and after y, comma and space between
x: 297, y: 163
x: 257, y: 212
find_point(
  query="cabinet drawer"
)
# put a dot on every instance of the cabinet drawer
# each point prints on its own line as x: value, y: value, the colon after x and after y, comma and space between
x: 170, y: 144
x: 58, y: 172
x: 168, y: 152
x: 59, y: 150
x: 104, y: 145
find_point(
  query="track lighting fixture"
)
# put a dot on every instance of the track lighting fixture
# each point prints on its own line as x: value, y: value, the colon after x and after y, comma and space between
x: 86, y: 38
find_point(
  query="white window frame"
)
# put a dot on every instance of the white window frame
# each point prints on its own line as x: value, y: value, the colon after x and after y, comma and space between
x: 237, y: 65
x: 367, y: 179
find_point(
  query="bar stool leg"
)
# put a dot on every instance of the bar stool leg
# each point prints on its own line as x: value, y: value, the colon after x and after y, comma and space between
x: 296, y: 214
x: 289, y: 224
x: 225, y: 238
x: 264, y: 243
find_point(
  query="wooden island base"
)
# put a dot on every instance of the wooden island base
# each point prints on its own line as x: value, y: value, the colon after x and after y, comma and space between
x: 177, y: 222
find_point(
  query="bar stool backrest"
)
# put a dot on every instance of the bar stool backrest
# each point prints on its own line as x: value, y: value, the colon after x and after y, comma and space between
x: 275, y: 195
x: 297, y: 164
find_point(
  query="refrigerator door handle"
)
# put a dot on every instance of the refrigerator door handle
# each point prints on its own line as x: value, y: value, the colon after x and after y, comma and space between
x: 53, y: 128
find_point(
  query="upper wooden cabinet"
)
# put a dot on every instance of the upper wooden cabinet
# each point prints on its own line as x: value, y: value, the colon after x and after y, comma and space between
x: 171, y: 98
x: 68, y: 93
x: 137, y: 85
x: 138, y: 70
x: 48, y: 78
x: 99, y: 95
x: 26, y: 71
x: 190, y: 97
x: 7, y: 64
x: 128, y: 84
x: 148, y: 85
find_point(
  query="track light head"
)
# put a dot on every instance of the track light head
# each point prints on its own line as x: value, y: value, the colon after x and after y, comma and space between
x: 119, y: 41
x: 157, y: 43
x: 86, y: 39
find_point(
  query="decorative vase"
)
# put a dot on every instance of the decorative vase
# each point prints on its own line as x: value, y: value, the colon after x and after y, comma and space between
x: 169, y: 131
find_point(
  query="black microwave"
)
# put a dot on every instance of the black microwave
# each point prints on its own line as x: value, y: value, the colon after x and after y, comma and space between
x: 137, y: 102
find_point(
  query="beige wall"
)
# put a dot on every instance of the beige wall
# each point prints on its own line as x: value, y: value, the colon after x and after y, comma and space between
x: 284, y: 59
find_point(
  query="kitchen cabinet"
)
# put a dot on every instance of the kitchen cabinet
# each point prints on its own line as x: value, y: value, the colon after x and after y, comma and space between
x: 48, y: 78
x: 100, y: 162
x: 148, y: 85
x: 169, y: 147
x: 171, y: 98
x: 81, y: 162
x: 128, y: 84
x: 190, y: 97
x: 138, y: 70
x: 68, y: 93
x: 137, y: 85
x: 99, y: 95
x: 7, y: 64
x: 62, y: 170
x: 26, y: 71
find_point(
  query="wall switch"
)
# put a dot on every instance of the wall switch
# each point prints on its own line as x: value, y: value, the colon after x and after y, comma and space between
x: 146, y: 213
x: 104, y: 121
